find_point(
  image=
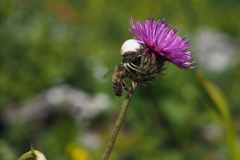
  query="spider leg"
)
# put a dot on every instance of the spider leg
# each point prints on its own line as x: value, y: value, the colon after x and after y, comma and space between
x: 126, y: 67
x: 132, y: 66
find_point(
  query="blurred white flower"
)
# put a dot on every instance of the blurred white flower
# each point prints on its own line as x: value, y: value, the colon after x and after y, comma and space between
x: 216, y: 50
x: 80, y: 104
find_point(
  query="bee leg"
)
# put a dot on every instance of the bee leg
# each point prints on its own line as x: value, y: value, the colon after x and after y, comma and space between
x: 125, y: 86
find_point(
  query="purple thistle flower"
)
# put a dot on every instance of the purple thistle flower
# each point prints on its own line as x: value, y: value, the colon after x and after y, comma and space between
x: 158, y: 38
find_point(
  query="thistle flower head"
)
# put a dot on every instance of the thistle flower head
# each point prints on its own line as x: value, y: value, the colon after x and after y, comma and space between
x: 159, y: 39
x: 154, y: 44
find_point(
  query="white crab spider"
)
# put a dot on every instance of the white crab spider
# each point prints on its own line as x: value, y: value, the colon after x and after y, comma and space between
x: 130, y: 50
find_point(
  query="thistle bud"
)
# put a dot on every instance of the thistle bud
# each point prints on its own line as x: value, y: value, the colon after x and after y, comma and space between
x: 148, y: 66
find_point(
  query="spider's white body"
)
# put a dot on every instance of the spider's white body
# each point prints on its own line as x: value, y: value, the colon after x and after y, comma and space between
x: 130, y: 49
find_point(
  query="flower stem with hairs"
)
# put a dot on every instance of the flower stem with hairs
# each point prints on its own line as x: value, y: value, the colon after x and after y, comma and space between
x: 119, y: 121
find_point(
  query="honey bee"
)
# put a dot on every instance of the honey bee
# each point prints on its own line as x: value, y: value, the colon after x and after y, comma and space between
x: 117, y: 79
x: 130, y: 50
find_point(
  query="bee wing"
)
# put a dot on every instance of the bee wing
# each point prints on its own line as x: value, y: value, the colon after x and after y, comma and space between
x: 108, y: 74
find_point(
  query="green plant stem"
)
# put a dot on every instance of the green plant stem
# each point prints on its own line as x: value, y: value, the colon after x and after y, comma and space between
x: 32, y: 154
x: 119, y: 121
x: 25, y: 156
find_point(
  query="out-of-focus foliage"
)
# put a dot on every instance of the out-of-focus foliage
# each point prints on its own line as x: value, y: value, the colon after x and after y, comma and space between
x: 222, y: 109
x: 53, y: 56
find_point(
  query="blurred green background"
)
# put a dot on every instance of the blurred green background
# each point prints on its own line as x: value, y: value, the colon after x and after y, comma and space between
x: 54, y: 53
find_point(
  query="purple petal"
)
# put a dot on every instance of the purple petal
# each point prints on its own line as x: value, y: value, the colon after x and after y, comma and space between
x: 164, y: 41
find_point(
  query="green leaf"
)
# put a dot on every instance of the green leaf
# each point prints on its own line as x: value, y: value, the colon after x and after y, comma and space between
x: 220, y: 102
